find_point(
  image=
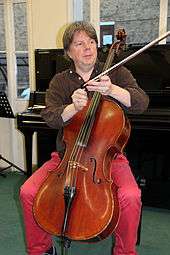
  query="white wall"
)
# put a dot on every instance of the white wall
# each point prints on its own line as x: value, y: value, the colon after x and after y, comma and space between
x: 47, y: 18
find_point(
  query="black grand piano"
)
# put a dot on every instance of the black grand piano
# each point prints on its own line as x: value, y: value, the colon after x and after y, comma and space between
x: 147, y: 148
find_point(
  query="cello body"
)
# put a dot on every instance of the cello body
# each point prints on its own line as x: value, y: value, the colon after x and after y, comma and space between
x: 94, y: 211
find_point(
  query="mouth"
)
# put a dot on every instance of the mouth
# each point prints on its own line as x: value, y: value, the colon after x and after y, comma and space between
x: 88, y: 56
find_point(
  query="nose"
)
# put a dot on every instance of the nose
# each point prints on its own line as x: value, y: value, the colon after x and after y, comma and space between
x: 87, y: 45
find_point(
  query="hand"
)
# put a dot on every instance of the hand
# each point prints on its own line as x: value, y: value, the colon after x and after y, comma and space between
x: 104, y: 86
x: 79, y: 98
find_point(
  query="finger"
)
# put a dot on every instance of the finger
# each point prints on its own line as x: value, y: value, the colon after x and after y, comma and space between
x: 105, y: 78
x: 92, y: 83
x: 80, y: 94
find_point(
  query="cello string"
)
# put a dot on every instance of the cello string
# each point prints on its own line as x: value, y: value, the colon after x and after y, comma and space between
x: 81, y: 132
x: 82, y: 138
x: 74, y: 159
x: 84, y: 129
x: 74, y: 154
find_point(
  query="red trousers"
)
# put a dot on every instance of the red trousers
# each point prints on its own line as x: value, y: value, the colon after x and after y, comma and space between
x: 129, y: 195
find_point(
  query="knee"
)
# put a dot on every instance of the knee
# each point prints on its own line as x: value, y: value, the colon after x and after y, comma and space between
x: 130, y: 196
x: 26, y: 193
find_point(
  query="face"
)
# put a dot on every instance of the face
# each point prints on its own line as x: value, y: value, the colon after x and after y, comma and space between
x: 83, y: 51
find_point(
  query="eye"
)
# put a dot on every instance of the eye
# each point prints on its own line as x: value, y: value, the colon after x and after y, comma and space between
x: 78, y: 44
x: 92, y: 41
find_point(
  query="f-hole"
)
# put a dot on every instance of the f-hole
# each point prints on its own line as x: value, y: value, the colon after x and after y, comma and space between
x: 95, y: 179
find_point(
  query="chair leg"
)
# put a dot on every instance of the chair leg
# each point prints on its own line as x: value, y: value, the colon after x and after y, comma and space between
x: 139, y: 229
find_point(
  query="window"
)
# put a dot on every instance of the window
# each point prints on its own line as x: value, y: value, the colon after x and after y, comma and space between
x: 140, y: 19
x: 21, y: 47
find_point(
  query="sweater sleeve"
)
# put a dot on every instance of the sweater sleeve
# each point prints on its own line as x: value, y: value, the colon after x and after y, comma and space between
x: 139, y: 99
x: 56, y: 100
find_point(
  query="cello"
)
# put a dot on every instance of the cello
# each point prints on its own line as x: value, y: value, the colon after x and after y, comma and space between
x: 79, y: 193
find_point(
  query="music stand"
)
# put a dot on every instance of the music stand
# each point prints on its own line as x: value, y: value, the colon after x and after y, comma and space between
x: 6, y: 112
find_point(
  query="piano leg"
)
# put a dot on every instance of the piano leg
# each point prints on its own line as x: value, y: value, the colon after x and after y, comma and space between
x: 28, y: 150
